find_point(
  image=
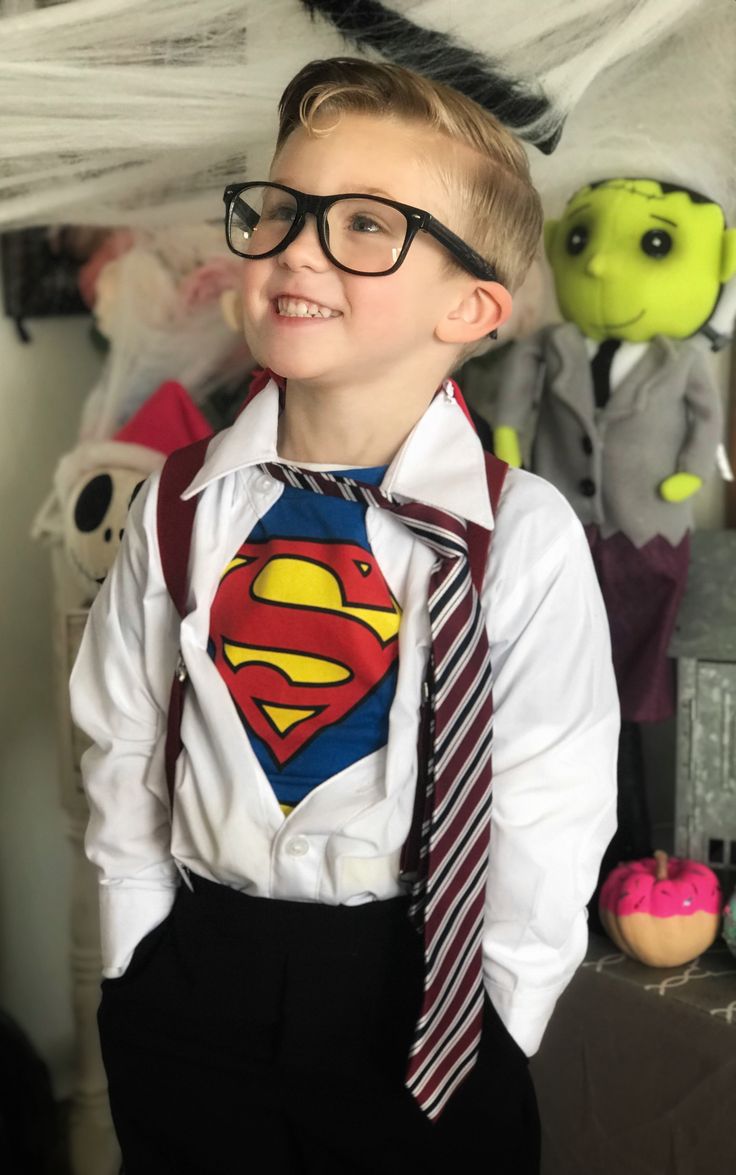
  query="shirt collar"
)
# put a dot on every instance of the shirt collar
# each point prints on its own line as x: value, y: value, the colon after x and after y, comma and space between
x: 441, y: 462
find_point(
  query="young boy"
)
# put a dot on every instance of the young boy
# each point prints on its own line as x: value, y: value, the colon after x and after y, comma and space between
x: 287, y: 989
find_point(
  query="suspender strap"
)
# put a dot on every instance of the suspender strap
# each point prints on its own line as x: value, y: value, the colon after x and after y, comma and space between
x: 479, y: 540
x: 175, y: 518
x: 174, y: 524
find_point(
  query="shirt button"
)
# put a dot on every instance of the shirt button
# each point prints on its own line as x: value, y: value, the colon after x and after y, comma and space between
x: 587, y: 487
x: 587, y: 445
x: 298, y: 846
x: 264, y: 483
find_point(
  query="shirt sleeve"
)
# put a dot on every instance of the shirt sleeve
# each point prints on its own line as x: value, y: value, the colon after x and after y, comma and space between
x: 119, y: 694
x: 704, y: 418
x: 555, y: 751
x: 520, y: 377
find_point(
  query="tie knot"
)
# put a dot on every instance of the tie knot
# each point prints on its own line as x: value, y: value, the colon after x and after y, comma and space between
x: 441, y: 530
x: 607, y: 349
x: 329, y: 484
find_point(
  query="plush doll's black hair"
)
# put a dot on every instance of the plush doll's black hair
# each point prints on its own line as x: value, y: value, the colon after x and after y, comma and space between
x: 667, y: 188
x: 521, y: 106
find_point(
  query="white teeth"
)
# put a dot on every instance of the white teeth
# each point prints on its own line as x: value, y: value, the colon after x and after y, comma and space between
x: 296, y: 308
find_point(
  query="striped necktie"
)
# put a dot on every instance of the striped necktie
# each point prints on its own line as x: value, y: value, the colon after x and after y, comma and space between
x: 448, y: 893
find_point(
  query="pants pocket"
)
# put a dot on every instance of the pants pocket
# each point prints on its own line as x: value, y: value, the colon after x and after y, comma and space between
x: 494, y: 1029
x: 141, y: 957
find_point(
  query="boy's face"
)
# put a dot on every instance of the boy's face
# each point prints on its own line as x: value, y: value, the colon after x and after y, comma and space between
x: 377, y: 323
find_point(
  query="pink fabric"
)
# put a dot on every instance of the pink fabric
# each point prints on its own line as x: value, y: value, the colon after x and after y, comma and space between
x: 168, y: 420
x: 118, y: 242
x: 206, y: 283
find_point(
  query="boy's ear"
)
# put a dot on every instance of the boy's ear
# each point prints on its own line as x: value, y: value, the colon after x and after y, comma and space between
x: 231, y: 308
x: 484, y: 309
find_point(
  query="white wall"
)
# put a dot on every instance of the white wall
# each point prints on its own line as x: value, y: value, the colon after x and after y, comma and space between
x: 42, y: 386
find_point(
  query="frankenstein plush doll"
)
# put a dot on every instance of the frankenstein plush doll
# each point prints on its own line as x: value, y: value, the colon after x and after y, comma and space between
x: 621, y: 409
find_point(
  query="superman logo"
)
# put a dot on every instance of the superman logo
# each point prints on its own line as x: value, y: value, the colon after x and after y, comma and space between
x: 303, y: 632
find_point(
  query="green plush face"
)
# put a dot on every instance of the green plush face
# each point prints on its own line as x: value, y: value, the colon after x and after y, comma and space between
x: 630, y: 262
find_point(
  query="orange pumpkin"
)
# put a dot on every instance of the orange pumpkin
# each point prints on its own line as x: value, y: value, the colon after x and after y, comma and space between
x: 662, y: 910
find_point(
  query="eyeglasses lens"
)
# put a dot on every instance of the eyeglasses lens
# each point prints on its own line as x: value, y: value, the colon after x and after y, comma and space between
x: 261, y: 218
x: 362, y: 234
x: 365, y: 235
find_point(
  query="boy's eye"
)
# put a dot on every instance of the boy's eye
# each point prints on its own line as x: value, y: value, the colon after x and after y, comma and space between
x: 577, y: 239
x: 283, y: 212
x: 361, y: 223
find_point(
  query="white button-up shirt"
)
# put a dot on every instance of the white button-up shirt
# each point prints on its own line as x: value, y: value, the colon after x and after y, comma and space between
x: 556, y: 719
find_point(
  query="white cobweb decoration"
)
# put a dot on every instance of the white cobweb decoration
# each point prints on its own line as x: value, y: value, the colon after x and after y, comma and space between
x: 668, y: 113
x: 158, y: 307
x: 138, y: 111
x: 157, y: 304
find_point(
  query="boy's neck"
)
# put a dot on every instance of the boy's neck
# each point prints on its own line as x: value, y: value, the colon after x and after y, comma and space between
x: 349, y: 425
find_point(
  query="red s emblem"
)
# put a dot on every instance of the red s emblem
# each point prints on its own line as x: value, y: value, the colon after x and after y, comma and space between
x: 303, y: 632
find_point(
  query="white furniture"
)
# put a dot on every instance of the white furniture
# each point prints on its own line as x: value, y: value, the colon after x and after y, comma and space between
x: 92, y: 1142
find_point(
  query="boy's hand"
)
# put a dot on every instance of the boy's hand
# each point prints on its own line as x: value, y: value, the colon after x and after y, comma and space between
x: 506, y: 446
x: 679, y: 486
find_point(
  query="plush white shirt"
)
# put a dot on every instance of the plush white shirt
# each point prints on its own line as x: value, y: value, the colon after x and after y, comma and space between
x: 556, y: 719
x: 624, y: 359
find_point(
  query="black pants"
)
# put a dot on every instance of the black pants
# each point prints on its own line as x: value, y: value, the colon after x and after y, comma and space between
x: 253, y: 1035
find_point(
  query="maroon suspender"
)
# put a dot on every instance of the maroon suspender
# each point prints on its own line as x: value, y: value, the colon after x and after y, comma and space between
x: 175, y: 522
x: 174, y: 525
x: 479, y: 539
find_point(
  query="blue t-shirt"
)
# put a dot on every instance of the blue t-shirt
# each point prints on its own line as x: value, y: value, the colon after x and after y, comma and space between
x: 304, y: 631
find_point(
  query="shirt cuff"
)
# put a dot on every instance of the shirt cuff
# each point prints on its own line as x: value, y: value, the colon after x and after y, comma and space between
x: 128, y: 911
x: 525, y: 1016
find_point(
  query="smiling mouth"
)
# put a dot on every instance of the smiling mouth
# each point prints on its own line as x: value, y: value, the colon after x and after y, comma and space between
x: 300, y: 308
x: 617, y: 325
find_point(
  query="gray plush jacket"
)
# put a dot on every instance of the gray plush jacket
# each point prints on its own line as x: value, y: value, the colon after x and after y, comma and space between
x: 663, y: 418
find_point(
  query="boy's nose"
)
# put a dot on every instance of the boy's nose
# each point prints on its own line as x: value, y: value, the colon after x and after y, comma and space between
x: 305, y: 251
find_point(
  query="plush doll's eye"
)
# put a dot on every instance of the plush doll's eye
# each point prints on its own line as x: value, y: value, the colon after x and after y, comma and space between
x: 656, y: 243
x: 577, y: 239
x: 93, y: 503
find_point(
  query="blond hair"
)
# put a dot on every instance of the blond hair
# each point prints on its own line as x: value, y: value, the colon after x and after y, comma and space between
x: 500, y: 210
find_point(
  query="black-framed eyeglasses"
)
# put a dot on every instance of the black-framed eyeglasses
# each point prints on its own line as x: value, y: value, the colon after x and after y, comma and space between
x: 361, y: 234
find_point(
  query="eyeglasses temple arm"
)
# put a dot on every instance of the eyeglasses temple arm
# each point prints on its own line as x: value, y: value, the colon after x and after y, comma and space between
x: 471, y: 260
x: 468, y: 257
x: 234, y: 203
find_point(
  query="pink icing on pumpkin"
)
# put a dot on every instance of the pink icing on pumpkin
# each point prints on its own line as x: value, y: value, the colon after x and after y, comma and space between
x: 689, y: 887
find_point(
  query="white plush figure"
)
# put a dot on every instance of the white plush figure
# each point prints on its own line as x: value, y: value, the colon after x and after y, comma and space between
x: 155, y: 299
x: 94, y: 520
x: 97, y: 481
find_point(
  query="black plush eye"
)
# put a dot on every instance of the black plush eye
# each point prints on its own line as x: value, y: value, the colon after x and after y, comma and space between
x: 577, y: 239
x: 93, y: 503
x: 656, y: 243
